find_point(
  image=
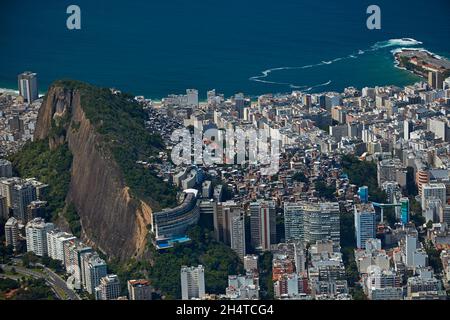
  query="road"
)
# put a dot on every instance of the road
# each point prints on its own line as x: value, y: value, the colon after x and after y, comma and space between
x: 58, y: 284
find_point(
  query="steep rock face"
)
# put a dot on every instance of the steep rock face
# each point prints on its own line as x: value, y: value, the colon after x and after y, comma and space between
x: 57, y: 101
x: 111, y: 219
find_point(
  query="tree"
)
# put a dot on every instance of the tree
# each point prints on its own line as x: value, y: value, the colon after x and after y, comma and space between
x: 358, y: 293
x: 434, y: 257
x: 266, y: 282
x: 218, y: 260
x: 34, y: 289
x: 300, y: 176
x: 29, y: 259
x: 9, y: 250
x: 8, y: 284
x: 416, y: 212
x: 363, y: 173
x: 347, y: 229
x: 411, y: 187
x: 324, y: 191
x: 2, y: 228
x: 6, y: 252
x: 73, y: 219
x: 53, y: 264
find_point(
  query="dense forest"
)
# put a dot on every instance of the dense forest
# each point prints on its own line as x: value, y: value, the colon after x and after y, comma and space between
x: 48, y: 166
x: 218, y: 260
x: 121, y: 122
x: 25, y: 289
x: 363, y: 173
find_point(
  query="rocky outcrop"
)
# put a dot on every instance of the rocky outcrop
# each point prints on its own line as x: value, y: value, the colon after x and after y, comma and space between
x: 112, y: 220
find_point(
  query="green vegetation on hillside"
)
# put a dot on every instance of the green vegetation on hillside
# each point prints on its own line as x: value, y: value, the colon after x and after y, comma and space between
x: 324, y: 190
x: 347, y: 229
x: 49, y: 166
x: 300, y: 177
x: 132, y: 269
x: 218, y: 260
x: 163, y: 268
x: 348, y: 245
x: 411, y: 189
x: 73, y: 219
x: 363, y: 173
x: 121, y: 122
x: 265, y: 277
x: 415, y: 210
x: 434, y: 257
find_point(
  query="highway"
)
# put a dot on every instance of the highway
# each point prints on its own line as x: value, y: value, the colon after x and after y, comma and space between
x: 58, y: 284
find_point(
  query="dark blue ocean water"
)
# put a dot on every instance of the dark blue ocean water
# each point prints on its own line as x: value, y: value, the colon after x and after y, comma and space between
x: 160, y: 47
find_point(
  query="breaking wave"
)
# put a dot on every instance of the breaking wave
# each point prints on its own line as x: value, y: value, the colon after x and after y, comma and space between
x: 264, y: 75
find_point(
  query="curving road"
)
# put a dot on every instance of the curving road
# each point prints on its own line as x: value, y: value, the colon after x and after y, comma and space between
x: 58, y: 284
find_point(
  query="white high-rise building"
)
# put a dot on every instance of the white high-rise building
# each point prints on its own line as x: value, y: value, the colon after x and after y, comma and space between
x: 221, y: 219
x: 4, y: 211
x: 36, y: 234
x: 383, y: 285
x: 311, y: 222
x: 293, y: 222
x: 109, y: 288
x: 6, y: 185
x: 446, y: 84
x: 74, y: 250
x: 410, y: 249
x: 229, y: 226
x: 237, y: 224
x: 19, y: 193
x: 263, y: 224
x: 28, y: 87
x: 365, y: 224
x: 192, y: 282
x: 445, y: 215
x: 433, y: 210
x: 21, y: 196
x: 55, y: 244
x: 12, y: 233
x: 192, y: 97
x: 433, y: 190
x: 94, y: 269
x: 208, y: 208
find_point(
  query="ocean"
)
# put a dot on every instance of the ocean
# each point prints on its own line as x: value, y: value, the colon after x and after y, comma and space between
x: 155, y: 48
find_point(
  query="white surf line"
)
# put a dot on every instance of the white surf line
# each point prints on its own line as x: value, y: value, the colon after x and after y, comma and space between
x: 377, y: 46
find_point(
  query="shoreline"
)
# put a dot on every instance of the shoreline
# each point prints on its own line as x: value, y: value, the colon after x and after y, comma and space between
x: 397, y: 64
x: 422, y: 63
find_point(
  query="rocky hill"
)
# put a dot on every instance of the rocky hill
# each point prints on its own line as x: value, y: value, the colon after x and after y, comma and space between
x: 105, y: 134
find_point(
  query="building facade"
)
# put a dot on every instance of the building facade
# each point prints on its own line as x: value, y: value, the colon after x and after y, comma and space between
x: 192, y: 282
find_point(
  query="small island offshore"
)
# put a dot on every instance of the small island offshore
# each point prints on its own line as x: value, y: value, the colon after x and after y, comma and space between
x: 425, y: 64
